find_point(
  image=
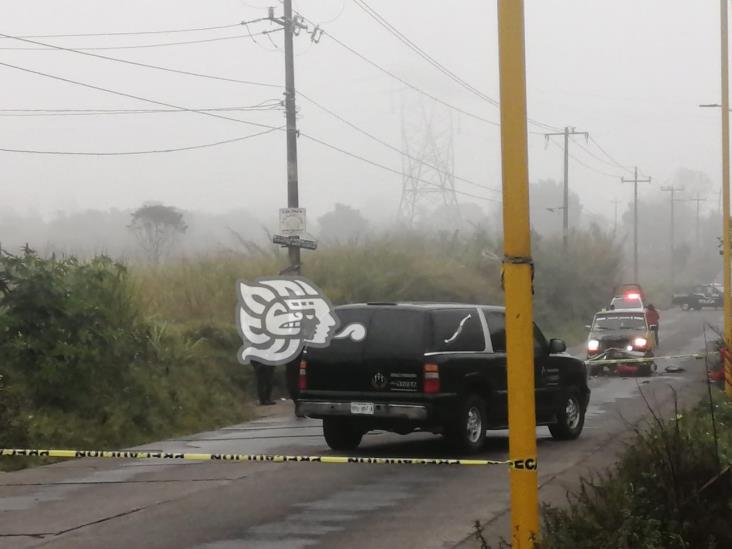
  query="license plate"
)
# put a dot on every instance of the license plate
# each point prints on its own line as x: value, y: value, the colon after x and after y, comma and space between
x: 362, y: 408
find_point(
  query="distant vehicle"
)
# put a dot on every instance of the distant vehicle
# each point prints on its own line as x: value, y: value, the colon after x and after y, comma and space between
x: 439, y: 368
x: 703, y: 295
x: 628, y: 296
x: 628, y: 301
x: 620, y: 334
x: 631, y: 288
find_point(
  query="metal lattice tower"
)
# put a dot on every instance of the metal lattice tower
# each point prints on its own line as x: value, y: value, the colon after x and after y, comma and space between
x: 428, y: 180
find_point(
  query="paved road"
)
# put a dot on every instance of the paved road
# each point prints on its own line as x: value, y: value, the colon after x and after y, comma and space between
x: 157, y: 504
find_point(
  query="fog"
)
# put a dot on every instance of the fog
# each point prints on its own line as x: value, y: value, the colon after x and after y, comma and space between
x: 630, y: 73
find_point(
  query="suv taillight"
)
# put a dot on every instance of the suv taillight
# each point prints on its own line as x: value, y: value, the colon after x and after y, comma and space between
x: 302, y: 379
x: 431, y: 378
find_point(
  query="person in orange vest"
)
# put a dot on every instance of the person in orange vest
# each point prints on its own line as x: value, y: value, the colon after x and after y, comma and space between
x: 652, y: 317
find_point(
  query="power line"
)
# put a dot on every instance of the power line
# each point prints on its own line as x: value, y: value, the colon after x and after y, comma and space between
x: 213, y: 115
x: 139, y: 64
x: 596, y: 157
x: 156, y: 45
x: 131, y: 96
x: 432, y: 61
x: 132, y: 33
x: 419, y: 51
x: 133, y: 153
x: 618, y: 164
x: 591, y: 168
x: 188, y: 73
x: 409, y: 84
x: 390, y: 146
x: 382, y: 166
x: 107, y: 112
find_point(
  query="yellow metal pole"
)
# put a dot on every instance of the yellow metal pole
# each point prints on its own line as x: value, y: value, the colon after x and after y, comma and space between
x: 517, y: 269
x: 725, y: 197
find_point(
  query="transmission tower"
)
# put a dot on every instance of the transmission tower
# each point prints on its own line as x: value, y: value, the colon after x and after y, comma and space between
x: 428, y: 179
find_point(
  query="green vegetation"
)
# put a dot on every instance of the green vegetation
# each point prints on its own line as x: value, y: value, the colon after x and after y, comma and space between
x: 569, y: 288
x: 672, y: 488
x: 83, y: 367
x: 97, y: 354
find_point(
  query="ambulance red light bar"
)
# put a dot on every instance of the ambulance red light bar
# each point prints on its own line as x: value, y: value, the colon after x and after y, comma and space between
x: 632, y: 295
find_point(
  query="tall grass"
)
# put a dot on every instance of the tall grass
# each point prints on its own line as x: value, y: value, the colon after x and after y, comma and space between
x: 569, y: 287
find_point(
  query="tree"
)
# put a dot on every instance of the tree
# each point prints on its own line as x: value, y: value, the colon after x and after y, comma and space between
x: 157, y: 228
x: 342, y: 223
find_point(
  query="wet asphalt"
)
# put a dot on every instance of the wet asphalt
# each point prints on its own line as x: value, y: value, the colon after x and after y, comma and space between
x: 220, y: 505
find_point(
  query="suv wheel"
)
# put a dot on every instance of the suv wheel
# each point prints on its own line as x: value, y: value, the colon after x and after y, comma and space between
x: 341, y: 434
x: 570, y: 417
x: 466, y: 433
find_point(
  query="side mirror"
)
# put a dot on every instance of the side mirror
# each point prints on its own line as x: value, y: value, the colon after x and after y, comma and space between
x: 557, y: 346
x: 653, y: 326
x: 588, y: 327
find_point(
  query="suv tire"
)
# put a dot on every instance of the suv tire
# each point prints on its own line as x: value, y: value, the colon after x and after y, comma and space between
x: 570, y: 416
x: 341, y: 434
x: 466, y: 431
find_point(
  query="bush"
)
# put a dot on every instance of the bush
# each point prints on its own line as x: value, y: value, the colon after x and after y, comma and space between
x: 83, y: 367
x: 667, y: 491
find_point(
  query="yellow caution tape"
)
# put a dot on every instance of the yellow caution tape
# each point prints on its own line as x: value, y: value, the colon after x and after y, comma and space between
x: 697, y: 356
x: 528, y: 464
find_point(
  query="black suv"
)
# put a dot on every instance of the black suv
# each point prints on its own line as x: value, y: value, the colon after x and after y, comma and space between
x: 433, y: 367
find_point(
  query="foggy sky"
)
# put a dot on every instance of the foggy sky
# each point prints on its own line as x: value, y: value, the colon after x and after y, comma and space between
x: 630, y: 72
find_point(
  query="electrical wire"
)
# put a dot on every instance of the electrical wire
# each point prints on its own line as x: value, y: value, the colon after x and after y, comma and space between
x: 596, y: 157
x: 132, y: 33
x: 106, y: 112
x: 419, y: 51
x: 591, y: 168
x: 134, y: 153
x: 436, y: 64
x: 384, y: 167
x: 617, y: 164
x: 392, y: 147
x: 139, y: 64
x: 410, y: 85
x: 157, y: 45
x: 214, y: 115
x: 131, y: 96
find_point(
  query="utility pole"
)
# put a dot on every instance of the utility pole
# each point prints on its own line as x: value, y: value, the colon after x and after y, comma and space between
x: 518, y: 269
x: 673, y: 190
x: 635, y: 182
x: 725, y: 195
x: 291, y: 27
x: 565, y: 221
x: 698, y: 199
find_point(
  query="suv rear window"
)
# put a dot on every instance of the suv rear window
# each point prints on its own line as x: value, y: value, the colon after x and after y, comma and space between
x: 390, y: 332
x: 394, y: 332
x: 457, y: 330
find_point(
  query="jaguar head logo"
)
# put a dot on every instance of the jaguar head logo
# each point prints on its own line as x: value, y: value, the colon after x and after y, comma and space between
x: 276, y: 317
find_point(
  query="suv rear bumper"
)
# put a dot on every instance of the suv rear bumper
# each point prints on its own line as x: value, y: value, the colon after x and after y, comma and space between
x: 321, y: 408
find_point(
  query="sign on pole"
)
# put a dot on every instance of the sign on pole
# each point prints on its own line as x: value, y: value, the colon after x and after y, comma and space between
x: 295, y: 242
x: 292, y: 221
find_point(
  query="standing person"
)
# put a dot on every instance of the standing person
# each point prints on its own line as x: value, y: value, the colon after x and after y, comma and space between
x: 653, y: 318
x: 265, y: 375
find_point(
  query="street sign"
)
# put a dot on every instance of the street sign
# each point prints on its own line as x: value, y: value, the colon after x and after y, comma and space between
x: 295, y: 242
x: 292, y: 221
